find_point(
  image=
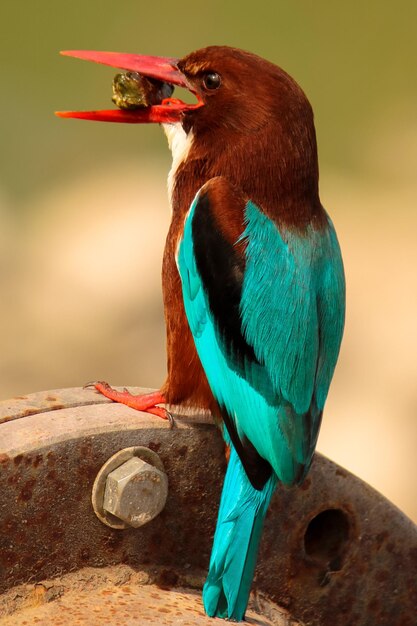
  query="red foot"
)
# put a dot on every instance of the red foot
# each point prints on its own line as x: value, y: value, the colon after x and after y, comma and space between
x: 146, y: 402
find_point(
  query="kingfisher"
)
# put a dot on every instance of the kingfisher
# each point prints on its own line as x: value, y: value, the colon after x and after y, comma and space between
x: 253, y: 282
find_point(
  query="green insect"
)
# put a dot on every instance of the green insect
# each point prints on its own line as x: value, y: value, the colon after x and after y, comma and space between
x: 134, y: 91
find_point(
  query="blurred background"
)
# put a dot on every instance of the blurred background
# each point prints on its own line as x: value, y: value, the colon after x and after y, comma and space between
x: 84, y: 210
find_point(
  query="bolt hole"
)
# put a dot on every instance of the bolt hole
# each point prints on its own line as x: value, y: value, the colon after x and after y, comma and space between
x: 326, y: 537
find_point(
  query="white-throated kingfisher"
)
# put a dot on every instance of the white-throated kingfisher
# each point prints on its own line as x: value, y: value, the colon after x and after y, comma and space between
x: 253, y: 282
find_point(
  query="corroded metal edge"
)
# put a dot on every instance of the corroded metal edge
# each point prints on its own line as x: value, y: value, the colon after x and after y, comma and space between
x: 71, y: 397
x: 51, y: 400
x: 60, y: 424
x: 119, y: 594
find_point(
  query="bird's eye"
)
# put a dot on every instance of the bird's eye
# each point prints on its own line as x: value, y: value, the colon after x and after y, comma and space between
x: 212, y: 80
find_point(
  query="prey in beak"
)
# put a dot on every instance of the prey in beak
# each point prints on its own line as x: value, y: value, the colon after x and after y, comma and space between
x: 143, y: 93
x: 131, y: 90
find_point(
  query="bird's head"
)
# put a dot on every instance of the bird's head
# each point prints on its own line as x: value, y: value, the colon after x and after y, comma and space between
x: 245, y: 108
x: 236, y: 91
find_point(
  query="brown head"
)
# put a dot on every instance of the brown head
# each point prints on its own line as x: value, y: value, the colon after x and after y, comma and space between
x: 255, y: 127
x: 251, y: 123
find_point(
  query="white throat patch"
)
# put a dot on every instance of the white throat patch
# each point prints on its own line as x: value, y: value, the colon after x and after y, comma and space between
x: 179, y: 143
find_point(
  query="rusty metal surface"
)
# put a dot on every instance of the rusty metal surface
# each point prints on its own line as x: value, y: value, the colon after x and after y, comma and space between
x: 337, y: 553
x: 334, y: 552
x: 43, y: 401
x: 55, y: 399
x: 117, y: 596
x: 48, y: 465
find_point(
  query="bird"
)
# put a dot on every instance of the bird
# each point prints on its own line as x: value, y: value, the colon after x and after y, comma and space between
x: 253, y: 283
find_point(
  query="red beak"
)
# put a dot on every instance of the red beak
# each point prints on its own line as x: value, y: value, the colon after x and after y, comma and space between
x: 160, y: 68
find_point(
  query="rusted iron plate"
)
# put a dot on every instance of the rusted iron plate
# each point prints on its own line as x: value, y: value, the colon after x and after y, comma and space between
x: 334, y: 552
x: 337, y: 553
x: 114, y: 597
x: 48, y: 465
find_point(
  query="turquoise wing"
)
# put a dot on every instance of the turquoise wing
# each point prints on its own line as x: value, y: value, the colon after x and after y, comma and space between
x: 266, y: 313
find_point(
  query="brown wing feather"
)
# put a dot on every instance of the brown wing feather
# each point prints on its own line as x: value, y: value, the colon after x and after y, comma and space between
x: 186, y: 383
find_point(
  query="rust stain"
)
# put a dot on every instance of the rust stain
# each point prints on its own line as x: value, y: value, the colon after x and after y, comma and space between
x: 51, y: 458
x: 341, y: 472
x: 84, y: 555
x: 27, y: 490
x: 37, y: 460
x: 86, y: 448
x: 182, y: 450
x: 29, y: 412
x: 380, y: 539
x: 382, y: 576
x: 57, y: 534
x: 167, y: 579
x: 8, y: 558
x: 8, y: 524
x: 39, y: 519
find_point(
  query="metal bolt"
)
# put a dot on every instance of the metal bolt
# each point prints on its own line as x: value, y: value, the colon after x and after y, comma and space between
x: 135, y: 492
x: 130, y: 489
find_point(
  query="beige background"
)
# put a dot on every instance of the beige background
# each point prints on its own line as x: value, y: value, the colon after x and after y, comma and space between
x: 84, y: 211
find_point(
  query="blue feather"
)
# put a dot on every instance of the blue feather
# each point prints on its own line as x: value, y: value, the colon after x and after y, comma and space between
x: 291, y: 313
x: 239, y: 526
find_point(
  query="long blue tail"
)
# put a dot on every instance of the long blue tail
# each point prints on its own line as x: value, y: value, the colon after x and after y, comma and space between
x: 239, y: 527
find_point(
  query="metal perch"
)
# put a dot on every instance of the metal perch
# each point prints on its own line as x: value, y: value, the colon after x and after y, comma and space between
x: 340, y: 555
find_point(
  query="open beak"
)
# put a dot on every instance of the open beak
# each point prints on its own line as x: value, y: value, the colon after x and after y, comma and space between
x: 160, y: 68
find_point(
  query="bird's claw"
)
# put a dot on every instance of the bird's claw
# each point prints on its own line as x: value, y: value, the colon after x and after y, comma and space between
x: 147, y: 402
x: 90, y: 384
x: 170, y: 418
x: 94, y: 383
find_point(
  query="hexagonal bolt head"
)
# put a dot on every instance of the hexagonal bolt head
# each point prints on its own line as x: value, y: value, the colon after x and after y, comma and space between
x: 135, y: 492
